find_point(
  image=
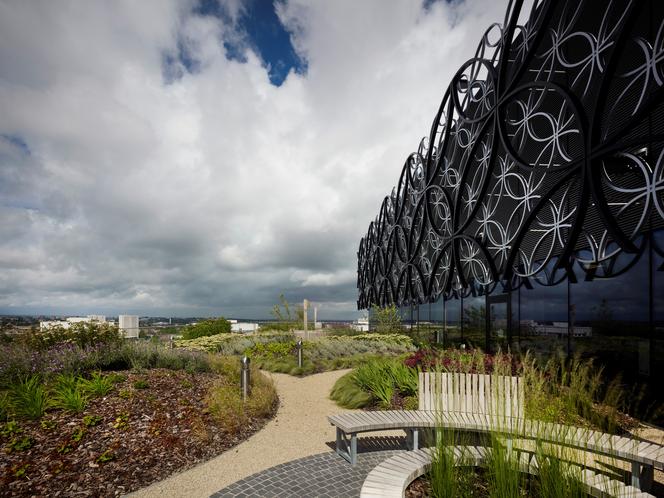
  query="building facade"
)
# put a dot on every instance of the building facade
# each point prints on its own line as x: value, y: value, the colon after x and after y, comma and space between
x: 532, y: 215
x: 128, y: 325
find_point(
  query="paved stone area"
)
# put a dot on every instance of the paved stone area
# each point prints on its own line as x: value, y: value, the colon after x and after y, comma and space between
x: 325, y: 475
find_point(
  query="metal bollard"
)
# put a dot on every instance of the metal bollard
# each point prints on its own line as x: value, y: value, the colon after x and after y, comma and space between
x: 245, y: 377
x: 299, y: 353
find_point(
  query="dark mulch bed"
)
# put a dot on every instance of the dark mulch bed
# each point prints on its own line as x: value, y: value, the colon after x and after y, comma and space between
x: 474, y: 483
x: 143, y: 435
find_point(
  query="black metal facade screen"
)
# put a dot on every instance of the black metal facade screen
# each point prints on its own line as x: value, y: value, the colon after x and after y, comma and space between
x: 547, y: 151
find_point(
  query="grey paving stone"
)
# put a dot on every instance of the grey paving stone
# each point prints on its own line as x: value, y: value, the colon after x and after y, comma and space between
x: 325, y: 475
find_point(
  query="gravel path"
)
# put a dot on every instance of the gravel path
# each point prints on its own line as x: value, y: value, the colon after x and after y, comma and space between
x: 300, y: 428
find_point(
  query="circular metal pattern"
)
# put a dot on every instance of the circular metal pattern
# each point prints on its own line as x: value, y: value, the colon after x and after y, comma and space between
x: 546, y: 154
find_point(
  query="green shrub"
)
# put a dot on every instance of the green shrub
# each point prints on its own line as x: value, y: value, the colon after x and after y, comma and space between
x: 386, y: 320
x: 83, y: 334
x: 28, y: 398
x: 272, y: 350
x: 207, y: 328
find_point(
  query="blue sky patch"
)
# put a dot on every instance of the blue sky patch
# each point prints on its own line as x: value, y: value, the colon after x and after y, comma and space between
x: 262, y: 31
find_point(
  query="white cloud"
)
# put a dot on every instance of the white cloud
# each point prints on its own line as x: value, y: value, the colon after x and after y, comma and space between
x: 217, y: 191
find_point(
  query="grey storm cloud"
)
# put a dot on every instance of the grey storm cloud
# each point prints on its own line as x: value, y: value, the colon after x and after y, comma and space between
x: 129, y: 184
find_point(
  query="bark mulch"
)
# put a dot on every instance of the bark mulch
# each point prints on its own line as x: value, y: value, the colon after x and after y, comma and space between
x: 138, y: 434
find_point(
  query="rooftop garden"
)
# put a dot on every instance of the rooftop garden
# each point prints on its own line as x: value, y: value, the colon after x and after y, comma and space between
x: 83, y: 411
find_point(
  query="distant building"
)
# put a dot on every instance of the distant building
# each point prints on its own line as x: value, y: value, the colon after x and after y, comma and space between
x: 243, y: 327
x: 558, y: 329
x: 65, y: 324
x: 361, y: 325
x: 128, y: 325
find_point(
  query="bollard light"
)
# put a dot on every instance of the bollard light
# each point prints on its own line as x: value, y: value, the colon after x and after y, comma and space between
x: 299, y: 353
x: 245, y: 377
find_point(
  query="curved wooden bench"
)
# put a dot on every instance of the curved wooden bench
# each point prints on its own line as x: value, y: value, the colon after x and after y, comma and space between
x: 644, y: 457
x: 391, y: 477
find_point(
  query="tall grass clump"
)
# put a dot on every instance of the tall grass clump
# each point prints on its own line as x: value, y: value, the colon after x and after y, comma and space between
x: 97, y: 385
x: 348, y: 394
x: 383, y: 379
x: 505, y: 479
x: 69, y: 394
x: 28, y: 398
x: 557, y: 478
x: 225, y: 402
x: 447, y: 475
x: 572, y: 391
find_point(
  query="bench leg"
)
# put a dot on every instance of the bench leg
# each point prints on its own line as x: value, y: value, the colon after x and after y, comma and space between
x: 412, y: 439
x: 642, y: 476
x: 347, y: 449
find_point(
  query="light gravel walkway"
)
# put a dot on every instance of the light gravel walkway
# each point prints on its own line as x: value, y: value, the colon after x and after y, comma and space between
x: 299, y: 429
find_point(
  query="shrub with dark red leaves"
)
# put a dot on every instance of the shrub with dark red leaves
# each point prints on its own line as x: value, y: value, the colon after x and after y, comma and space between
x: 464, y: 360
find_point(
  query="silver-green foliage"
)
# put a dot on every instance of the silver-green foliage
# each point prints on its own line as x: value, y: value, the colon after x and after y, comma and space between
x: 232, y: 344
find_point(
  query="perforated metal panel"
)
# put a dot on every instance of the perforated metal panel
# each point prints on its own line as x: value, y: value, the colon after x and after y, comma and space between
x: 547, y: 151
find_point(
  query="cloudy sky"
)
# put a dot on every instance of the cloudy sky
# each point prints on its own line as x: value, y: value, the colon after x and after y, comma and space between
x: 202, y: 157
